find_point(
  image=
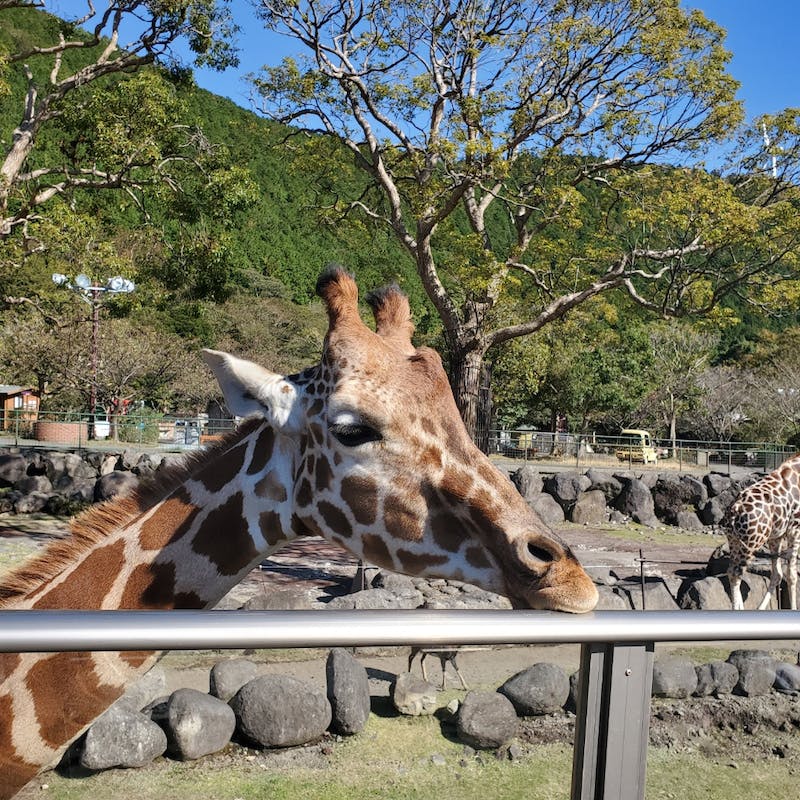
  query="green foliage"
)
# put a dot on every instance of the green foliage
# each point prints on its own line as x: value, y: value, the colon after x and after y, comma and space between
x: 139, y: 427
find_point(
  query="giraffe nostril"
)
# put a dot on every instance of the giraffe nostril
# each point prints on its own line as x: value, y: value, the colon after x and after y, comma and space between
x: 539, y: 553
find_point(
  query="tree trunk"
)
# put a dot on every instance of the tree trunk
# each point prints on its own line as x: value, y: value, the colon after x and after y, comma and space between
x: 466, y: 369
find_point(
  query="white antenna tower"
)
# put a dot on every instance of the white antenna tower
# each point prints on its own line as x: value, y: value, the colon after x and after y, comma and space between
x: 766, y: 146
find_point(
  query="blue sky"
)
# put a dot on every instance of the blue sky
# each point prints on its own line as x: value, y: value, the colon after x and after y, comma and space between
x: 763, y: 35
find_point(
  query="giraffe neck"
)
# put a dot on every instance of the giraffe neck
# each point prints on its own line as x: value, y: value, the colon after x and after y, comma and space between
x: 183, y: 546
x: 180, y: 548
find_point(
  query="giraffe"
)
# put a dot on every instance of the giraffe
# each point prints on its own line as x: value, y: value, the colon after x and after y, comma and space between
x: 765, y: 513
x: 366, y: 449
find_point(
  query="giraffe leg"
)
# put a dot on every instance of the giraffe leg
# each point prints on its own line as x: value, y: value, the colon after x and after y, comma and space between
x: 791, y: 576
x: 460, y: 676
x: 422, y: 665
x: 775, y: 579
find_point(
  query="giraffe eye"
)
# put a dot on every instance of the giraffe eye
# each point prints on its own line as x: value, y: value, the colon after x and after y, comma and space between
x: 352, y: 434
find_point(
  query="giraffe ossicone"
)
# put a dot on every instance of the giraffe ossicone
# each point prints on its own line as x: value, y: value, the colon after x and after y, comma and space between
x: 766, y: 513
x: 366, y: 449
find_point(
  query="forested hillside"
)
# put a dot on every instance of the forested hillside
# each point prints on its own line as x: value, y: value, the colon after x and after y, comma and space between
x: 224, y: 220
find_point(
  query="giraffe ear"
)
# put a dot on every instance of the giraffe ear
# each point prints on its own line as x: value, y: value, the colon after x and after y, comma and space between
x: 392, y: 313
x: 249, y: 389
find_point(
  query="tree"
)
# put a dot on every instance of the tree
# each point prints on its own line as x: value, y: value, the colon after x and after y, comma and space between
x: 124, y: 137
x: 681, y: 355
x: 493, y: 133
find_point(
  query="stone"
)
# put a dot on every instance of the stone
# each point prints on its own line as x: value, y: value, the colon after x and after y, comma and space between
x: 674, y: 677
x: 716, y: 677
x: 122, y: 738
x: 394, y: 582
x: 590, y: 508
x: 540, y: 689
x: 228, y: 676
x: 697, y: 490
x: 528, y: 481
x: 565, y: 487
x: 605, y: 483
x: 670, y: 496
x: 115, y: 484
x: 688, y: 520
x: 548, y: 509
x: 486, y: 720
x: 348, y: 692
x: 716, y: 483
x: 69, y: 465
x: 636, y: 502
x: 657, y: 597
x: 612, y: 599
x: 13, y: 467
x: 28, y: 484
x: 280, y: 711
x: 705, y: 594
x: 376, y: 598
x: 413, y: 696
x: 712, y: 511
x: 196, y: 724
x: 787, y: 678
x: 290, y: 599
x: 144, y: 690
x: 756, y: 672
x: 31, y: 503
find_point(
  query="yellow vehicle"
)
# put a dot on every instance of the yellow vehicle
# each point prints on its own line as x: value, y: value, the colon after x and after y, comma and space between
x: 636, y: 445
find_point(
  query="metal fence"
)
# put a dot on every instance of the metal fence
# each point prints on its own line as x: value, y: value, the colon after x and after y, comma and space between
x: 616, y: 667
x: 596, y: 450
x: 148, y: 430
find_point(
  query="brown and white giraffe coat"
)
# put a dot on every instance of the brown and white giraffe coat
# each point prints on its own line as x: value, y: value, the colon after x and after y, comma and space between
x: 366, y: 449
x: 767, y: 513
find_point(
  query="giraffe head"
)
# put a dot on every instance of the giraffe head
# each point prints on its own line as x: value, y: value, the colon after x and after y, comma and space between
x: 381, y: 462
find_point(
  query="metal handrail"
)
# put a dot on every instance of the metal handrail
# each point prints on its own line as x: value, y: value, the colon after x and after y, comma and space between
x: 51, y: 631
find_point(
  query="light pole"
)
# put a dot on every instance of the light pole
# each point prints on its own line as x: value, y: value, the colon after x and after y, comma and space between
x: 94, y: 294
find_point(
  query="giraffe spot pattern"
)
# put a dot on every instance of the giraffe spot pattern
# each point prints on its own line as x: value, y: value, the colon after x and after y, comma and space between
x: 376, y: 551
x: 270, y: 524
x: 262, y: 451
x: 447, y: 533
x: 335, y: 519
x: 417, y: 562
x: 8, y: 663
x: 58, y: 720
x: 476, y: 557
x: 361, y: 495
x: 89, y: 583
x: 224, y: 537
x: 216, y: 475
x: 324, y: 474
x: 170, y: 522
x: 400, y: 520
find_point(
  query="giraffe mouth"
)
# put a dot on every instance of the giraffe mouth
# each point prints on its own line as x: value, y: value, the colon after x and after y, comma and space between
x: 558, y: 598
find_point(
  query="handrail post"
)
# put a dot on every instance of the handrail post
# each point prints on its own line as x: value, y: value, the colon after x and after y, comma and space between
x: 613, y: 720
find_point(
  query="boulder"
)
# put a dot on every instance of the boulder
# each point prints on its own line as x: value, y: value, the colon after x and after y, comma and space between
x: 28, y: 484
x: 413, y: 696
x: 787, y: 678
x: 696, y: 490
x: 280, y: 711
x: 713, y: 510
x: 605, y: 483
x: 757, y: 670
x: 486, y: 720
x: 67, y: 465
x: 706, y: 594
x: 196, y: 724
x: 612, y: 599
x: 376, y: 598
x: 716, y: 483
x: 636, y: 502
x: 657, y: 597
x: 688, y: 520
x: 13, y: 468
x: 144, y: 690
x: 540, y: 689
x: 548, y: 509
x: 115, y: 484
x: 31, y: 503
x: 228, y: 676
x: 674, y: 677
x: 122, y: 738
x: 348, y: 692
x: 590, y: 508
x: 565, y: 488
x: 716, y: 677
x: 671, y: 496
x: 528, y: 481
